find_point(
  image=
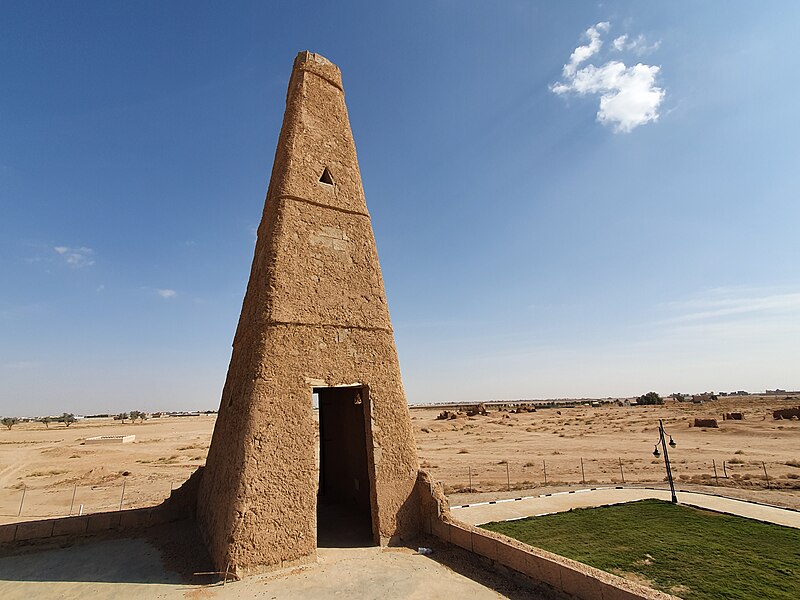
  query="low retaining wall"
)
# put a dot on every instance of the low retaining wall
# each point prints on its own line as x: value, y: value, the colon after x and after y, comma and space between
x: 110, y: 439
x: 78, y: 526
x: 563, y: 575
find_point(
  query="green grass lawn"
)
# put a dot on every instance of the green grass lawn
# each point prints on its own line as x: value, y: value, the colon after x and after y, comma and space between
x: 681, y: 550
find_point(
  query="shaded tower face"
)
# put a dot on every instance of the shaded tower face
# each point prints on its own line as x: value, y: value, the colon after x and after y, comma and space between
x: 314, y: 328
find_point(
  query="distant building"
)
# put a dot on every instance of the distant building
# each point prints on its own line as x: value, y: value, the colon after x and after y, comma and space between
x: 704, y: 397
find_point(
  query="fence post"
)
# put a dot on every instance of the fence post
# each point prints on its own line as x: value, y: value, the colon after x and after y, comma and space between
x: 470, y: 478
x: 508, y: 477
x: 763, y: 464
x: 621, y: 472
x: 714, y: 463
x: 72, y: 503
x: 544, y: 465
x: 583, y: 476
x: 22, y: 500
x: 724, y: 470
x: 122, y: 496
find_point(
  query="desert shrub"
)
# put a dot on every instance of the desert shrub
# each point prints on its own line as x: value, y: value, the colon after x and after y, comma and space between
x: 650, y: 398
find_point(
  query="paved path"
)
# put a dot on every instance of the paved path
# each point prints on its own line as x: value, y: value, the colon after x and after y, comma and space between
x: 132, y: 569
x: 505, y: 510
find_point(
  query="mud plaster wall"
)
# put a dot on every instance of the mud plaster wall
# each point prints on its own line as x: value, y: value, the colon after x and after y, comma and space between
x: 314, y: 314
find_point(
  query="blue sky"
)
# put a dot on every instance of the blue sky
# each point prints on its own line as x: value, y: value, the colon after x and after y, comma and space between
x: 574, y: 199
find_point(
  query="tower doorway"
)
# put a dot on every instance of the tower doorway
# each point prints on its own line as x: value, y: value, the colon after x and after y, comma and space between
x: 345, y: 494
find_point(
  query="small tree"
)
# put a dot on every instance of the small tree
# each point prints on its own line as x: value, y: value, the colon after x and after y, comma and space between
x: 650, y: 398
x: 46, y: 421
x: 142, y: 416
x: 122, y: 417
x: 68, y: 419
x: 134, y: 414
x: 9, y: 422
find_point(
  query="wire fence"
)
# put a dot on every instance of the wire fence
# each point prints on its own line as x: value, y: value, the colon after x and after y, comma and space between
x: 474, y: 476
x: 461, y: 475
x: 31, y: 502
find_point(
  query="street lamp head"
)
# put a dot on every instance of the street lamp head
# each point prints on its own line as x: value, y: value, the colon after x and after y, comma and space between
x: 656, y: 453
x: 672, y: 443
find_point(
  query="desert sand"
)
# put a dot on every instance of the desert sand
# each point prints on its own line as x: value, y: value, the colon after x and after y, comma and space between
x: 49, y: 465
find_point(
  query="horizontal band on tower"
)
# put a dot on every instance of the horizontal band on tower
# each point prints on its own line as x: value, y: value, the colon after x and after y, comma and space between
x: 321, y: 205
x: 327, y: 326
x: 333, y: 83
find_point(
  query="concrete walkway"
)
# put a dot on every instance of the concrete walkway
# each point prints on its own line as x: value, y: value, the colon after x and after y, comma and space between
x: 133, y: 569
x: 505, y: 510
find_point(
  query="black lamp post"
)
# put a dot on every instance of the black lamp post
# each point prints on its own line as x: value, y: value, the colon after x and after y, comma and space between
x: 656, y: 453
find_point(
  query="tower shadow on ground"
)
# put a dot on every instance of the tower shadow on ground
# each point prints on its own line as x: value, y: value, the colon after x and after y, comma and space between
x: 169, y: 554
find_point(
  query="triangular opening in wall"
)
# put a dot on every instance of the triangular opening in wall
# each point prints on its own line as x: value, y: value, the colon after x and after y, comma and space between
x: 326, y: 177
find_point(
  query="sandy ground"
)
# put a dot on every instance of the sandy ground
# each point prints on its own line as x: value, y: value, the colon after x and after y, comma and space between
x: 49, y: 465
x: 502, y: 447
x: 52, y: 463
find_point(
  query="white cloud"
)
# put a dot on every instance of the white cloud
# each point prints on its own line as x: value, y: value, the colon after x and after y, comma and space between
x: 584, y: 53
x: 21, y: 364
x: 745, y: 322
x: 166, y: 293
x: 619, y: 43
x: 723, y: 304
x: 76, y: 257
x: 629, y: 96
x: 638, y: 45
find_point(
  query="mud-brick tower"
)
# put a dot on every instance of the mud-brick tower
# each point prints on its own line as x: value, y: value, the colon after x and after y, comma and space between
x: 314, y: 325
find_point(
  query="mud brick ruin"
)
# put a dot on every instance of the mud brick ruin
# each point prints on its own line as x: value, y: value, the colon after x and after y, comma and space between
x: 314, y: 322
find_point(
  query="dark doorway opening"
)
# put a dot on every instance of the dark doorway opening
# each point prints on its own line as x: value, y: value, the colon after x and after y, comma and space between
x: 344, y: 499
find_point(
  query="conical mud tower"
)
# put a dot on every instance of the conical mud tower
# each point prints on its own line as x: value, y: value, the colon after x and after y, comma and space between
x: 314, y: 328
